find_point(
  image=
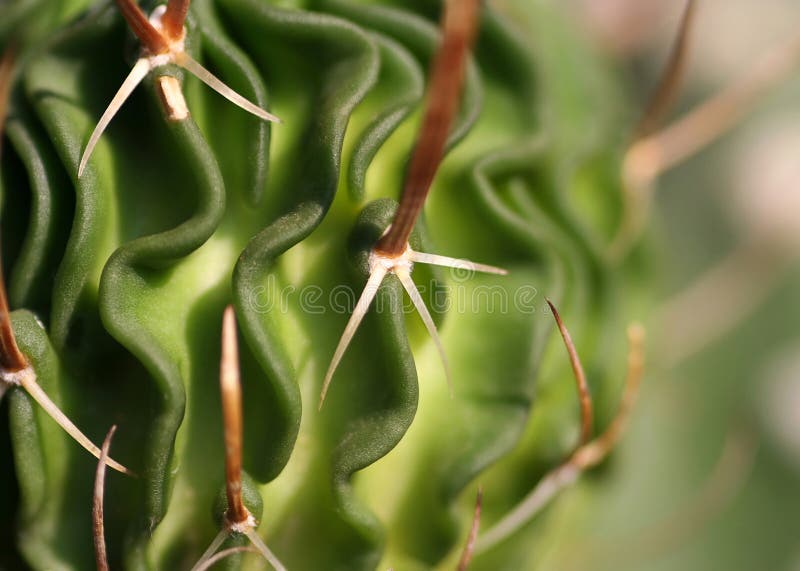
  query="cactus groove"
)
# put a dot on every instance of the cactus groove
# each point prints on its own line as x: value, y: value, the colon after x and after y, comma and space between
x: 118, y: 279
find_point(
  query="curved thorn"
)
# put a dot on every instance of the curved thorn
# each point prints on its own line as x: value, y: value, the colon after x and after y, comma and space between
x: 192, y: 66
x: 585, y: 457
x: 636, y: 164
x: 596, y: 451
x: 135, y: 77
x: 459, y: 264
x: 411, y: 288
x: 98, y: 525
x: 639, y: 161
x: 711, y: 119
x: 212, y: 548
x: 360, y: 310
x: 469, y: 548
x: 28, y: 382
x: 658, y: 152
x: 584, y: 396
x: 264, y: 550
x: 671, y: 77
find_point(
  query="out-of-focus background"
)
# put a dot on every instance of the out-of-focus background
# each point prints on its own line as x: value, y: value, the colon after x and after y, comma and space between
x: 709, y: 475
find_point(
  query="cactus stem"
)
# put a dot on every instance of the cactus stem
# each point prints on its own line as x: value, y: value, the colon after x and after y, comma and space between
x: 459, y: 25
x: 584, y: 396
x: 156, y: 55
x: 585, y: 457
x: 380, y: 265
x: 469, y: 547
x: 98, y: 526
x: 652, y: 155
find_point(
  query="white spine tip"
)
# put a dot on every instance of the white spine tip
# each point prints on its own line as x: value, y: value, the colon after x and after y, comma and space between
x: 135, y: 77
x: 411, y: 288
x: 455, y: 263
x: 370, y: 290
x: 193, y: 66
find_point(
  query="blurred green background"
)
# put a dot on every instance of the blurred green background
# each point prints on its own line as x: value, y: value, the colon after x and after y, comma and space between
x: 724, y: 371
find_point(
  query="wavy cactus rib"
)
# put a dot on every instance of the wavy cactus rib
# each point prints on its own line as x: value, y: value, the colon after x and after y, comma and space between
x: 15, y: 368
x: 175, y: 220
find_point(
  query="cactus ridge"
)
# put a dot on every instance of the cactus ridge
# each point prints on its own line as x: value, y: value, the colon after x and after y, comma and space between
x: 124, y: 272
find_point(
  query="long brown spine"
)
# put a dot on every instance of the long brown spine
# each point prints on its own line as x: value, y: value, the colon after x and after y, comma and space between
x: 444, y: 93
x: 175, y: 17
x: 150, y: 37
x: 231, y: 392
x: 11, y: 358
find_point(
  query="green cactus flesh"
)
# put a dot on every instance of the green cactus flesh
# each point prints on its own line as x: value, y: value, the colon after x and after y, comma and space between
x: 118, y: 281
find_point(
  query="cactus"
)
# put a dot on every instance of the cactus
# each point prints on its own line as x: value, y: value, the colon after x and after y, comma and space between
x: 125, y: 241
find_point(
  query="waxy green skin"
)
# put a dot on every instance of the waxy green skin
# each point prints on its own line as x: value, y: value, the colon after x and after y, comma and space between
x: 129, y: 268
